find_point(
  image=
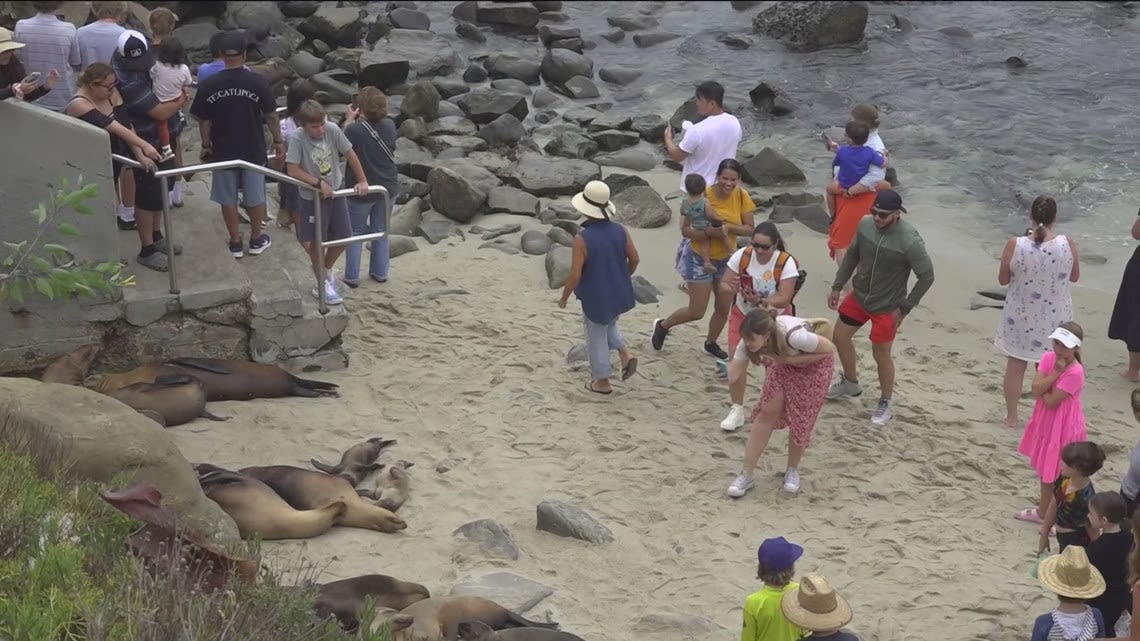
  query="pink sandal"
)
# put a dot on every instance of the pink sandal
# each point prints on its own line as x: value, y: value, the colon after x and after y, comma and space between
x: 1030, y: 515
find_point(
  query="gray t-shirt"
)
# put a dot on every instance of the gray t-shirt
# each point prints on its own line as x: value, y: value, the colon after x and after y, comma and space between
x: 1130, y: 483
x: 323, y: 157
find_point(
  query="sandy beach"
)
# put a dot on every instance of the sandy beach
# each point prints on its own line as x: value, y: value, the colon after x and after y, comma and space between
x: 912, y: 522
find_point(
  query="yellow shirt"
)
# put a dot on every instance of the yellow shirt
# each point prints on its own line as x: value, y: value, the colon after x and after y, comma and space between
x: 731, y: 210
x: 763, y: 618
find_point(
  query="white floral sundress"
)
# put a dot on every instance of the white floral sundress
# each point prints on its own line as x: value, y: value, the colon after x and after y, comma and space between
x: 1039, y: 297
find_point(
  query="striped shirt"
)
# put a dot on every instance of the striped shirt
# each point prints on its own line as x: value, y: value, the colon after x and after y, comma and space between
x: 97, y: 41
x: 50, y: 44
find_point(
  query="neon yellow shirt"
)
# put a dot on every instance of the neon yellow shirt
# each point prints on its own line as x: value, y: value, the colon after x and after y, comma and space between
x: 763, y: 618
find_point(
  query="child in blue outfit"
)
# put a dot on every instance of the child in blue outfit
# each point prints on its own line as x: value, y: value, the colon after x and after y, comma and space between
x: 854, y: 160
x: 1074, y: 580
x: 816, y: 607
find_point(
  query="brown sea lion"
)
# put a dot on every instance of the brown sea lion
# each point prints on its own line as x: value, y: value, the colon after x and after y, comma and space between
x: 224, y: 380
x: 344, y: 599
x: 258, y: 511
x: 307, y: 490
x: 392, y: 486
x: 71, y: 368
x: 476, y: 631
x: 357, y: 462
x: 177, y: 398
x: 438, y: 618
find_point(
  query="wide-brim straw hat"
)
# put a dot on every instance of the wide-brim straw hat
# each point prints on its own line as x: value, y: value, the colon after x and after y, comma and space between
x: 7, y: 43
x: 594, y: 201
x: 1069, y: 574
x: 815, y: 605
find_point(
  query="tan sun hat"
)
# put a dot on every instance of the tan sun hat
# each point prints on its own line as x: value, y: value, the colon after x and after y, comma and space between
x: 7, y: 43
x: 815, y: 605
x: 594, y: 201
x: 1069, y: 574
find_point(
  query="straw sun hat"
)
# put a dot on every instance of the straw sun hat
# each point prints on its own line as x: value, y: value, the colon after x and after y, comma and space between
x: 815, y: 605
x: 7, y: 43
x: 1069, y: 574
x: 594, y: 201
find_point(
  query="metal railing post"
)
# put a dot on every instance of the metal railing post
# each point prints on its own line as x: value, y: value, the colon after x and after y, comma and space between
x: 319, y: 250
x: 168, y: 234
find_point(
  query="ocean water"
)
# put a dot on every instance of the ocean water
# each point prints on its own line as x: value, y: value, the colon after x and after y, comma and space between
x: 973, y: 140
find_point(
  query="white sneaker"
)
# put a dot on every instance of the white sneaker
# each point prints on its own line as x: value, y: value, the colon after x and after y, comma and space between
x: 792, y: 480
x: 883, y: 413
x: 740, y: 486
x: 176, y: 194
x: 332, y: 296
x: 734, y: 420
x: 844, y: 388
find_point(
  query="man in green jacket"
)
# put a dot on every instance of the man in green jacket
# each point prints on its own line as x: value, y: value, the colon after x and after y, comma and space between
x: 886, y: 250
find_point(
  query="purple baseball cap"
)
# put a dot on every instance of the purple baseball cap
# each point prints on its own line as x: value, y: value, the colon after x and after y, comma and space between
x: 778, y: 554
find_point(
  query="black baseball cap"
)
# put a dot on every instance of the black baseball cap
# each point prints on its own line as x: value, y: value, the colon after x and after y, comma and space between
x: 889, y: 201
x: 233, y: 43
x: 134, y: 51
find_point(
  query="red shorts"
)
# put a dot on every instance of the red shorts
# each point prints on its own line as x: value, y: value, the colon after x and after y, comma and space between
x: 883, y: 328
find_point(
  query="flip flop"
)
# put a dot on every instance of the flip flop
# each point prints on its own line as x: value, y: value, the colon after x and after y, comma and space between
x: 590, y: 388
x: 629, y: 369
x: 1029, y: 515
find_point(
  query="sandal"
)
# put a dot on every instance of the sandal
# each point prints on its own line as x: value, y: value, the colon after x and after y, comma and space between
x: 629, y: 368
x: 1029, y: 515
x: 590, y: 388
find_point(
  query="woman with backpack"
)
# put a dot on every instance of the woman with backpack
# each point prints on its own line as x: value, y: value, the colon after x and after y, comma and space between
x: 763, y: 274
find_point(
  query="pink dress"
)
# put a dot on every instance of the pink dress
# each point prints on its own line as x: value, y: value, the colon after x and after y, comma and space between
x: 1050, y: 430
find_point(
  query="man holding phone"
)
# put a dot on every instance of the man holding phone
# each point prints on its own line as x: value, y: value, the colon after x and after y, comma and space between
x: 709, y: 141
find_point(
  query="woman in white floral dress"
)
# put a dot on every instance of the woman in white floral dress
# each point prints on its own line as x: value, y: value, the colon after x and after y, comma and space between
x: 1039, y: 268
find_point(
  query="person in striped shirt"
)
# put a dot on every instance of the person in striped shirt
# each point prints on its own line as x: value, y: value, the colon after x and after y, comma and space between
x: 51, y: 46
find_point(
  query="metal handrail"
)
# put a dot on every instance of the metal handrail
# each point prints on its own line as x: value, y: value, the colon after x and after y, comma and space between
x: 322, y: 304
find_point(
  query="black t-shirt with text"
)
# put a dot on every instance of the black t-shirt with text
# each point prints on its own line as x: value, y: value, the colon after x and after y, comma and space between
x: 235, y: 101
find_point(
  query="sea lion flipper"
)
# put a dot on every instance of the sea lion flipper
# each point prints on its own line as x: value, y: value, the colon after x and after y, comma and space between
x: 213, y: 417
x: 368, y: 494
x: 204, y: 364
x: 324, y: 467
x: 154, y: 416
x: 173, y: 380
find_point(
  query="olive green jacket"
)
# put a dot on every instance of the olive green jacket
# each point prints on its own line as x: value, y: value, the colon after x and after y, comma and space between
x: 885, y: 259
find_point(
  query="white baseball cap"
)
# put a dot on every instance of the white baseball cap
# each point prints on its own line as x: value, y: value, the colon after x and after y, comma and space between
x: 1065, y: 337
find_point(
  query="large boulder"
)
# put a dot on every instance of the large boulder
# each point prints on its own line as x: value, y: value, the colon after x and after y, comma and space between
x: 195, y: 39
x: 97, y: 438
x: 544, y: 176
x: 515, y: 15
x: 809, y: 26
x: 383, y: 69
x: 560, y: 65
x: 558, y: 266
x: 504, y: 131
x: 769, y: 168
x: 506, y: 65
x: 641, y: 207
x: 247, y: 15
x: 483, y: 106
x: 338, y: 27
x: 421, y: 101
x: 427, y: 53
x: 455, y: 196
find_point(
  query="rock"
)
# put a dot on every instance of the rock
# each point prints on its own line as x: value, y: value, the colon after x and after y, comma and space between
x: 448, y: 108
x: 741, y: 5
x: 579, y: 354
x: 814, y: 25
x: 468, y: 31
x: 476, y: 174
x: 769, y: 168
x: 522, y: 16
x: 632, y: 23
x: 485, y: 105
x: 513, y: 592
x: 1015, y: 62
x: 505, y: 65
x: 400, y: 245
x: 266, y: 16
x: 581, y: 115
x: 305, y: 64
x: 338, y: 27
x: 434, y: 226
x: 770, y: 100
x: 493, y: 538
x: 560, y: 65
x: 502, y: 230
x: 645, y: 40
x: 579, y: 87
x: 609, y: 121
x: 110, y: 441
x: 619, y: 74
x: 451, y: 147
x: 451, y: 126
x: 195, y: 39
x: 982, y: 302
x: 474, y: 73
x: 956, y: 32
x: 673, y: 625
x: 383, y: 69
x: 406, y: 218
x: 535, y: 243
x: 620, y: 182
x: 577, y: 45
x: 548, y: 34
x: 410, y: 188
x: 502, y: 245
x: 651, y: 127
x: 345, y: 59
x: 613, y: 140
x: 543, y: 176
x: 568, y: 226
x: 560, y: 236
x: 644, y: 292
x: 558, y: 267
x: 448, y: 87
x: 571, y: 144
x: 427, y: 54
x: 467, y: 11
x: 687, y: 111
x: 996, y: 293
x: 733, y: 41
x: 627, y: 159
x: 809, y: 209
x: 454, y: 196
x: 377, y: 30
x: 641, y: 207
x: 511, y: 85
x: 402, y: 18
x: 336, y: 90
x: 1093, y: 259
x: 298, y: 9
x: 543, y: 98
x: 547, y: 5
x: 421, y: 101
x: 614, y: 36
x: 510, y: 200
x: 567, y: 520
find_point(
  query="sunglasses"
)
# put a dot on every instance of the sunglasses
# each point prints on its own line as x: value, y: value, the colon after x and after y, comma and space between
x: 879, y: 213
x: 761, y: 246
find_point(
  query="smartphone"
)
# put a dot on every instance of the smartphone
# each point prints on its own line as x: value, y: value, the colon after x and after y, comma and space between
x: 32, y: 77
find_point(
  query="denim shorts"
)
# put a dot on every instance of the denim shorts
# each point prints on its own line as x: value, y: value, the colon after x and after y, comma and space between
x: 335, y: 222
x: 692, y: 267
x: 225, y: 183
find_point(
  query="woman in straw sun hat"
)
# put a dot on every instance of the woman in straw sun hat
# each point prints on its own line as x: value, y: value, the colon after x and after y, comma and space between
x: 816, y: 607
x: 603, y: 260
x: 12, y: 73
x: 1074, y: 580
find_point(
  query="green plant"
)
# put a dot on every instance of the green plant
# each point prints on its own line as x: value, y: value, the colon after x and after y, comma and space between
x: 51, y: 269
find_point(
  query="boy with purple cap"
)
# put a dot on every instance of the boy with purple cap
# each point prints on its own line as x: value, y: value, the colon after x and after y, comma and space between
x: 764, y: 619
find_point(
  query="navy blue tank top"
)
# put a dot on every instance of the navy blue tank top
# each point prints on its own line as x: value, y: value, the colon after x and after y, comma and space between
x: 605, y: 289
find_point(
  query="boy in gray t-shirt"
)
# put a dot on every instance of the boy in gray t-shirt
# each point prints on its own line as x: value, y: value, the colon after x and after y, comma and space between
x: 314, y: 156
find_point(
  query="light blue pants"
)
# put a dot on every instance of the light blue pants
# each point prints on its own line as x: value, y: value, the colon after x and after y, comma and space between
x: 367, y: 218
x: 600, y: 341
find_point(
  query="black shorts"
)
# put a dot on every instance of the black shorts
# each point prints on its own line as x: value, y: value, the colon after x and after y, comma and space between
x: 148, y: 189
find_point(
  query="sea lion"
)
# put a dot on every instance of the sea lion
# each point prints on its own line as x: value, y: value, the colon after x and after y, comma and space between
x: 224, y: 380
x: 357, y: 462
x: 391, y: 490
x: 176, y: 398
x: 476, y: 631
x: 71, y: 368
x: 307, y: 490
x: 258, y: 511
x: 438, y: 618
x: 344, y: 599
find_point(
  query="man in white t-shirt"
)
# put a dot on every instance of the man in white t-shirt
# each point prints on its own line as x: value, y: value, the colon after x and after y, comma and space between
x: 709, y: 141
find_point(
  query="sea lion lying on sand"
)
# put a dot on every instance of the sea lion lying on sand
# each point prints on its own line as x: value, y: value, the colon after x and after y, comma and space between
x: 308, y: 490
x: 438, y: 618
x: 258, y: 511
x: 357, y: 462
x: 176, y: 399
x: 344, y: 599
x: 392, y: 486
x: 71, y: 368
x: 223, y: 380
x: 476, y: 631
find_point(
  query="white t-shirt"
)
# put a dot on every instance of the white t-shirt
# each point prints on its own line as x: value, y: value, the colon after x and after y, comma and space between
x: 707, y: 143
x: 760, y: 277
x: 803, y: 340
x: 167, y: 81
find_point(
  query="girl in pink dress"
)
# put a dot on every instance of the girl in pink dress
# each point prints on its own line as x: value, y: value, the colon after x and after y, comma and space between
x: 1057, y: 418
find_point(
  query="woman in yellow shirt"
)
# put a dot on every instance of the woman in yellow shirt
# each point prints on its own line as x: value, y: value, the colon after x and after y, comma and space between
x: 736, y: 209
